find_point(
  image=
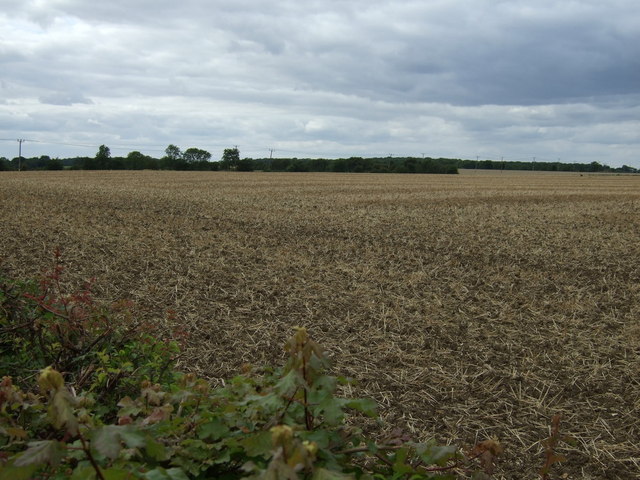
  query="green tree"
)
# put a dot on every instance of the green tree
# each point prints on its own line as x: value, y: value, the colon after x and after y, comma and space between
x: 54, y: 164
x: 135, y: 161
x: 319, y: 165
x: 297, y: 165
x: 5, y: 164
x: 173, y: 158
x: 196, y: 155
x: 245, y: 165
x: 280, y: 164
x: 103, y: 158
x: 230, y: 158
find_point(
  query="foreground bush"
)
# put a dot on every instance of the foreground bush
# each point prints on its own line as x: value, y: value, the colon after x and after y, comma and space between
x: 286, y: 423
x: 104, y: 351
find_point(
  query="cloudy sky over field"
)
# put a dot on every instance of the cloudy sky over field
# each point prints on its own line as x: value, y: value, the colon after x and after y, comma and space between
x: 515, y: 79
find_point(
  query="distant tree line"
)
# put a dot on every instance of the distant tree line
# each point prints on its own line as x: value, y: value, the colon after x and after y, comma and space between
x: 198, y: 159
x: 593, y: 167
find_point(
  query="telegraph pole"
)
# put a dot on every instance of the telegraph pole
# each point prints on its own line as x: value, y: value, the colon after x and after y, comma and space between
x: 20, y: 140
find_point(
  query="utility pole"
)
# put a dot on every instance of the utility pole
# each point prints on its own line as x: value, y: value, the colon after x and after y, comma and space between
x: 20, y: 140
x: 477, y: 160
x: 533, y: 165
x: 270, y: 153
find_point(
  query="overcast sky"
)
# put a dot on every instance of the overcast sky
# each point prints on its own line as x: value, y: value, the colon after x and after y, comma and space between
x: 516, y: 79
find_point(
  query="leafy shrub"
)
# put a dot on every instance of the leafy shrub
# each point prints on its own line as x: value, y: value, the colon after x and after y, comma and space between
x: 104, y: 351
x: 285, y: 423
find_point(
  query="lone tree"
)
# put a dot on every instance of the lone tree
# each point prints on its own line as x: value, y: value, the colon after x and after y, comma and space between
x: 230, y: 158
x: 103, y: 158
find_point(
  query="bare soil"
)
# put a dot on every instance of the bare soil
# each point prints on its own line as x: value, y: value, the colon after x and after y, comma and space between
x: 469, y: 306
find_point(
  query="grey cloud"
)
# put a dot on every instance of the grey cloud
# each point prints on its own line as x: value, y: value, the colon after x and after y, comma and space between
x: 61, y: 98
x: 396, y: 75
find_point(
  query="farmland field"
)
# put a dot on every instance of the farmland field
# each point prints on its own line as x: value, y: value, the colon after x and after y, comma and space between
x: 468, y: 306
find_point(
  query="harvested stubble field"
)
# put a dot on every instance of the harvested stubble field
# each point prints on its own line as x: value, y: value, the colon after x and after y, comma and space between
x: 469, y: 306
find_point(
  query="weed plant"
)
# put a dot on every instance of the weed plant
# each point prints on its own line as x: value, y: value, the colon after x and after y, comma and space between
x: 108, y: 403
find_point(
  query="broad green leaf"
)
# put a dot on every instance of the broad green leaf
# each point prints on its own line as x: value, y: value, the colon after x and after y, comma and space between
x: 107, y: 441
x: 258, y: 444
x: 287, y: 385
x: 321, y: 437
x: 317, y: 364
x: 197, y: 449
x: 372, y: 447
x: 433, y: 454
x: 223, y: 456
x: 160, y: 473
x: 84, y: 473
x: 42, y: 452
x: 13, y: 472
x: 367, y: 406
x: 117, y: 474
x: 132, y: 437
x: 176, y: 474
x: 156, y: 450
x: 325, y: 382
x: 401, y: 456
x: 61, y: 411
x: 214, y: 430
x: 128, y: 407
x: 331, y: 409
x: 269, y: 402
x: 324, y: 474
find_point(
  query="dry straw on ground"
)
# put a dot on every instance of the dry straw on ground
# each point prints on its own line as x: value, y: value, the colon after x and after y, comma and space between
x: 469, y: 306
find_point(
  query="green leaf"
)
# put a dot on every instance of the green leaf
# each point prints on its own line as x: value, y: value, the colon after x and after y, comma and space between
x: 61, y: 411
x: 372, y: 447
x: 433, y: 454
x: 401, y: 455
x: 367, y: 406
x: 10, y: 471
x: 214, y: 430
x: 117, y: 474
x: 176, y: 474
x: 331, y: 409
x: 160, y: 473
x: 324, y: 474
x: 128, y: 407
x: 156, y: 450
x: 132, y: 438
x: 258, y: 444
x: 287, y: 385
x: 84, y: 473
x: 269, y: 403
x: 106, y: 441
x: 321, y: 437
x: 42, y: 452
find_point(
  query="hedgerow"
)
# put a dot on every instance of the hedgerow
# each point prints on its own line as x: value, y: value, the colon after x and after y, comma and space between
x: 90, y: 393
